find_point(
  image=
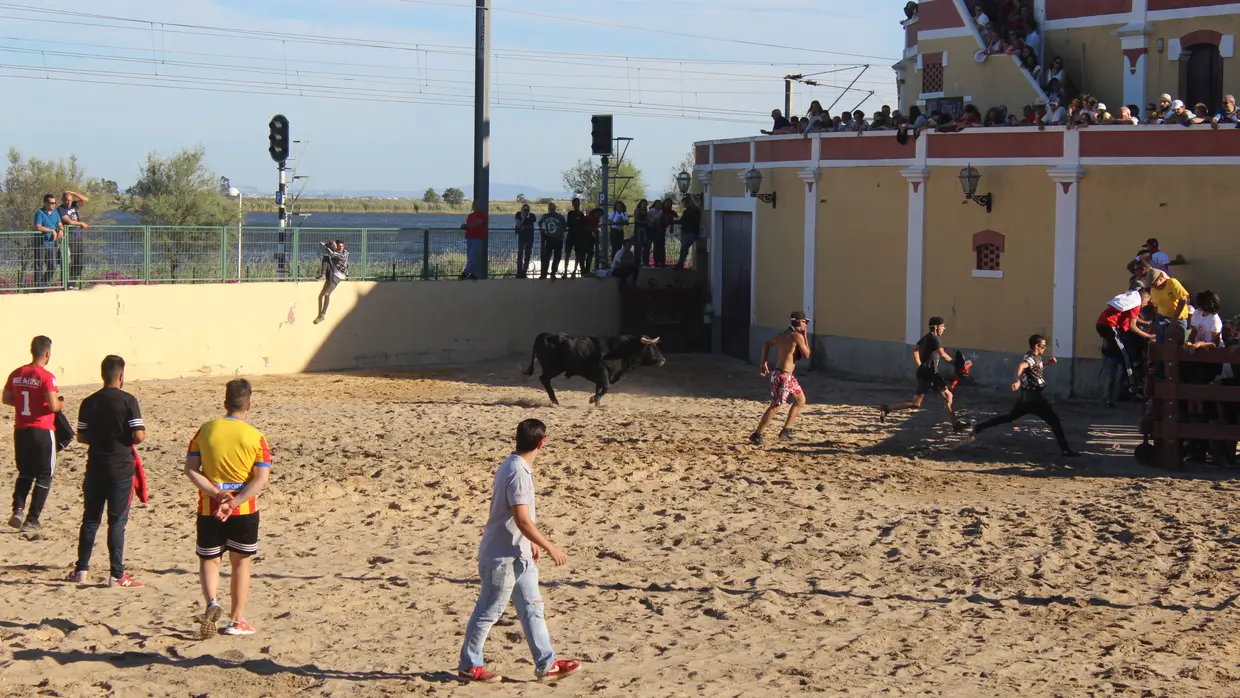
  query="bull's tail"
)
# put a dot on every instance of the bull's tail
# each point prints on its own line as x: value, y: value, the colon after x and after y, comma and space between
x: 529, y: 372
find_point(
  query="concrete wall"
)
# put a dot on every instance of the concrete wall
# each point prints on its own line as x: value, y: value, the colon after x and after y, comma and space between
x: 996, y: 81
x: 249, y: 329
x: 987, y: 313
x: 779, y: 262
x: 1164, y: 74
x: 1094, y: 60
x: 860, y: 251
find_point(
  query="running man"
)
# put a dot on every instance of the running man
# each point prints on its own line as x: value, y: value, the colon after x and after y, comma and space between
x: 230, y: 463
x: 335, y: 269
x: 31, y: 391
x: 926, y: 355
x: 785, y: 388
x: 1121, y: 316
x: 511, y: 545
x: 1031, y: 381
x: 110, y: 424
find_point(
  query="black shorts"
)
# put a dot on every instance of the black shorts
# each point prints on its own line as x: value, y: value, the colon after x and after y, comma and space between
x: 929, y: 382
x: 36, y: 453
x: 239, y: 534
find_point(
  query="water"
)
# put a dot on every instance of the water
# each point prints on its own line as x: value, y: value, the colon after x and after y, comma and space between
x: 339, y: 220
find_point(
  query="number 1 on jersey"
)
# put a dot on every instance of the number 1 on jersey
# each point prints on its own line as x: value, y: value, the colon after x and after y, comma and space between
x: 25, y: 403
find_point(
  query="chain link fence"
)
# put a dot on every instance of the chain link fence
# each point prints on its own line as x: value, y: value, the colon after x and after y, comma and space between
x: 125, y: 255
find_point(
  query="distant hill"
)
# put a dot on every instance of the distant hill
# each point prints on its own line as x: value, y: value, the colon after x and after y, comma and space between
x: 499, y: 192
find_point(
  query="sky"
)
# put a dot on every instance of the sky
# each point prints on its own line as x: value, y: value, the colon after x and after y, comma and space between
x: 381, y: 91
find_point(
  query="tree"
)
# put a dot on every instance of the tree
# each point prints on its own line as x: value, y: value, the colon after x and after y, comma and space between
x: 179, y: 190
x: 521, y: 198
x: 108, y: 187
x: 21, y: 193
x: 585, y: 179
x: 686, y: 165
x: 453, y: 196
x: 430, y: 197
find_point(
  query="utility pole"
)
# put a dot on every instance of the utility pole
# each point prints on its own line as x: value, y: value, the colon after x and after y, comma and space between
x: 788, y: 79
x: 482, y: 119
x: 603, y: 198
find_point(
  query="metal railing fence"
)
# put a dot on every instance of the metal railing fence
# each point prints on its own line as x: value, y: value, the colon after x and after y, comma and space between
x: 130, y: 255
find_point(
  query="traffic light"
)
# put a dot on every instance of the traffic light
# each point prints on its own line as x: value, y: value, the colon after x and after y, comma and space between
x: 278, y: 138
x: 600, y: 133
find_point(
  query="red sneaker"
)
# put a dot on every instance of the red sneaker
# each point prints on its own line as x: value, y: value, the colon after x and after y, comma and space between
x: 559, y: 669
x: 238, y: 627
x: 478, y: 675
x: 125, y: 581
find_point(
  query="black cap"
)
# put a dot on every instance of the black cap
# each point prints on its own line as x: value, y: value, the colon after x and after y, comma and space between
x: 1152, y: 242
x: 936, y: 321
x: 798, y: 316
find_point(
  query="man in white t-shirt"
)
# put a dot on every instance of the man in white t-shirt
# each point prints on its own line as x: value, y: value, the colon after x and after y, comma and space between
x: 1055, y: 115
x: 1157, y: 259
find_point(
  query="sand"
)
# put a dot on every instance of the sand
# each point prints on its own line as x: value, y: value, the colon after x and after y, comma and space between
x: 864, y: 559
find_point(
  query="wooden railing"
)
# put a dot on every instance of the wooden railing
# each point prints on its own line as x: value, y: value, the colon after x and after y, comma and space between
x: 1165, y: 419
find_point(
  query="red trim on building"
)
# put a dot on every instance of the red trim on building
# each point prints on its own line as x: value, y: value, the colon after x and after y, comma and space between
x: 1201, y: 36
x: 726, y: 153
x: 1184, y: 4
x: 938, y: 14
x: 701, y: 154
x: 928, y: 58
x: 910, y: 34
x: 1161, y: 142
x: 866, y: 148
x: 1133, y: 55
x: 1068, y: 9
x: 988, y: 237
x: 783, y: 150
x: 996, y: 145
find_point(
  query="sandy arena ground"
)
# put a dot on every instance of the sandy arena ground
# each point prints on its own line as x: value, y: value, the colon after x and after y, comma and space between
x: 864, y: 559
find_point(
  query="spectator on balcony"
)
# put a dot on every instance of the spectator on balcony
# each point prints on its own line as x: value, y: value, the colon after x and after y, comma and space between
x: 587, y: 245
x: 525, y: 222
x: 690, y: 229
x: 970, y: 117
x: 1200, y: 115
x: 663, y: 223
x: 1055, y: 72
x: 641, y: 232
x: 616, y: 223
x: 1162, y: 110
x: 1055, y: 114
x: 48, y: 222
x: 916, y: 120
x: 553, y: 227
x: 878, y: 122
x: 910, y: 10
x: 1228, y: 115
x: 1029, y: 60
x: 818, y: 119
x: 75, y: 227
x: 858, y: 122
x: 1029, y: 114
x: 1178, y: 116
x: 1054, y: 92
x: 475, y: 227
x: 979, y: 17
x: 845, y: 121
x: 781, y: 124
x: 837, y: 124
x: 1125, y: 118
x: 575, y: 220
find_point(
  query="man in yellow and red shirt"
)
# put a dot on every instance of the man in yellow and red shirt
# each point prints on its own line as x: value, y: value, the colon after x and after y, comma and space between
x: 230, y: 463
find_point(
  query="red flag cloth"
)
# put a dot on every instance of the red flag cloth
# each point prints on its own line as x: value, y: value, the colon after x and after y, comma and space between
x: 139, y: 478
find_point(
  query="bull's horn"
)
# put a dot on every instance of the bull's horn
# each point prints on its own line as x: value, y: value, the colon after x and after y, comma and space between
x: 647, y: 340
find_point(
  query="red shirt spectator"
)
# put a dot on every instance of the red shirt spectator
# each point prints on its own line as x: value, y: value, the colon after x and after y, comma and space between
x: 476, y: 226
x: 1122, y: 311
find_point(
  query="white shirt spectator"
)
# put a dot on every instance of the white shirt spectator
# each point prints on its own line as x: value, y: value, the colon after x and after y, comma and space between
x: 1209, y: 328
x: 1160, y: 261
x: 1057, y: 115
x: 1034, y: 41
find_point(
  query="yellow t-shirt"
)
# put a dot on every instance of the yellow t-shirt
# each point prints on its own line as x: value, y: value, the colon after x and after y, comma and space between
x: 230, y: 449
x: 1166, y: 298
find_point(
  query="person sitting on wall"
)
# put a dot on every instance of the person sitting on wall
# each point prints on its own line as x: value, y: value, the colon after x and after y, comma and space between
x: 624, y: 264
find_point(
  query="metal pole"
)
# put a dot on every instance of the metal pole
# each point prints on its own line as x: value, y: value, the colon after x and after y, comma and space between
x: 601, y: 260
x: 281, y: 270
x: 787, y: 98
x: 240, y: 220
x: 482, y: 120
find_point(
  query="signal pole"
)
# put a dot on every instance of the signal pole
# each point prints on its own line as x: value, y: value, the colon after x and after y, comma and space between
x: 281, y: 255
x: 605, y: 231
x: 482, y: 119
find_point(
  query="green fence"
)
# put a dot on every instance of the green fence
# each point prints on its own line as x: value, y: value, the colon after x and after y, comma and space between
x: 126, y: 255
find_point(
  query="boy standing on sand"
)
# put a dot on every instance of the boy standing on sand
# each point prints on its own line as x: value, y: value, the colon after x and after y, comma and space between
x: 784, y: 386
x: 506, y: 565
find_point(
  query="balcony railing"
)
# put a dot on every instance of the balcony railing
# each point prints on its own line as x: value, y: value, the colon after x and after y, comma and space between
x: 140, y: 255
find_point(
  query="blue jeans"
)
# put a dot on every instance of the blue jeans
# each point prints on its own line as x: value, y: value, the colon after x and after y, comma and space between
x: 473, y: 256
x: 500, y: 582
x: 1161, y: 325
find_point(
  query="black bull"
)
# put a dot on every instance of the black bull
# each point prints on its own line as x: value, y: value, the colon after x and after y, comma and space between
x: 600, y: 360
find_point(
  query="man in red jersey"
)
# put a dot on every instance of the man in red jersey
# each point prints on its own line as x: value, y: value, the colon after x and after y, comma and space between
x: 475, y: 227
x: 31, y: 391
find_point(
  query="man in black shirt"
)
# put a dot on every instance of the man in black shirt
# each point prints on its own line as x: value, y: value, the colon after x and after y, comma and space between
x: 110, y: 424
x: 576, y: 233
x: 1031, y: 381
x: 690, y: 229
x: 926, y: 354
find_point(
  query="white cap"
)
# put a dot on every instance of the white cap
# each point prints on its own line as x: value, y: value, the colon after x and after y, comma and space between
x: 1102, y: 107
x: 1177, y: 104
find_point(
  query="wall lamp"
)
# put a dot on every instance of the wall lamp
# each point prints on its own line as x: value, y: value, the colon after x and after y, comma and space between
x: 683, y: 180
x: 969, y: 179
x: 753, y: 183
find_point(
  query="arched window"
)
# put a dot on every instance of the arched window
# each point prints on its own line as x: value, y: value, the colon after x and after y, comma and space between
x: 988, y: 248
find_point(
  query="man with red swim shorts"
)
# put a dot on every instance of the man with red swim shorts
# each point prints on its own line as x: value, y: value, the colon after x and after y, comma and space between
x: 785, y: 389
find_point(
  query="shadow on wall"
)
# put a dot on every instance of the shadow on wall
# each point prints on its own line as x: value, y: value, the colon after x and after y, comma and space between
x: 186, y: 331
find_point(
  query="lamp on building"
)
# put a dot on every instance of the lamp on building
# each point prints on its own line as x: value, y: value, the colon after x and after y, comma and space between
x: 969, y: 179
x: 753, y: 183
x: 1162, y: 45
x: 683, y: 180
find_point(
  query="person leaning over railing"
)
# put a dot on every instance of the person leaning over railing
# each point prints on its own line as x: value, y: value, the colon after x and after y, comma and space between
x: 48, y: 222
x: 475, y: 227
x: 74, y: 227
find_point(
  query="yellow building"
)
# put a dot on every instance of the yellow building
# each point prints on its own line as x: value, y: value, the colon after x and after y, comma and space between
x: 871, y: 238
